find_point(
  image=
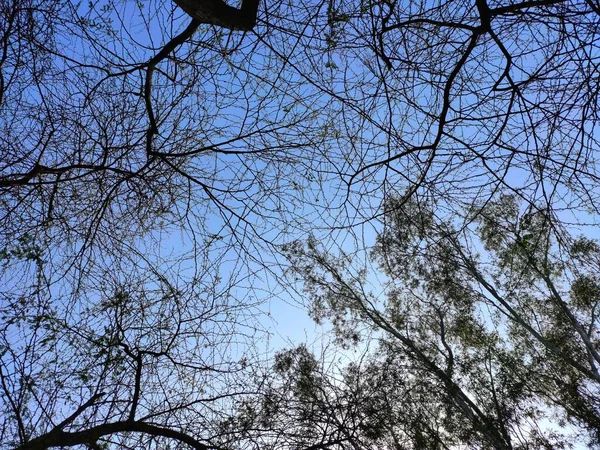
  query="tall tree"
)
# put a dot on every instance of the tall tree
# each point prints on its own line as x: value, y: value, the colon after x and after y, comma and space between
x: 488, y: 343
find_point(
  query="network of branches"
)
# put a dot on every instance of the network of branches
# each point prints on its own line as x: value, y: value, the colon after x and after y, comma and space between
x: 416, y: 173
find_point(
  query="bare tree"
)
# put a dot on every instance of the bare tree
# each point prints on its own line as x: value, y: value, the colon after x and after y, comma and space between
x: 122, y: 117
x: 117, y: 116
x: 123, y: 121
x: 147, y: 357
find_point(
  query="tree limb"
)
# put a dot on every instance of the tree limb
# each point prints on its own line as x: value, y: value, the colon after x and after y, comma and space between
x: 60, y: 438
x: 219, y: 13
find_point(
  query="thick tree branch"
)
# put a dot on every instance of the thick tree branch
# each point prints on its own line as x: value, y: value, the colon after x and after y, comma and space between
x: 82, y: 408
x: 219, y: 13
x: 151, y: 65
x: 60, y: 438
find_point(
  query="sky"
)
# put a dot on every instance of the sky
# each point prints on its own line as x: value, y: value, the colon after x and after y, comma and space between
x: 275, y: 198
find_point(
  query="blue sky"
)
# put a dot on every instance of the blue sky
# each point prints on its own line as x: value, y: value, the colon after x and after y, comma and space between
x: 343, y: 122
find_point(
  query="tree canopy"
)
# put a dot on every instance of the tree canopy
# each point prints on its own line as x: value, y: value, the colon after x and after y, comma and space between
x: 483, y: 333
x: 422, y: 175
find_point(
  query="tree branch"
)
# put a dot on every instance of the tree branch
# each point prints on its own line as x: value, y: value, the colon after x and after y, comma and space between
x: 219, y: 13
x: 60, y: 438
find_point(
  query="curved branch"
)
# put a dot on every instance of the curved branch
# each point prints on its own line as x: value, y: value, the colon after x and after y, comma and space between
x: 60, y: 438
x: 162, y: 54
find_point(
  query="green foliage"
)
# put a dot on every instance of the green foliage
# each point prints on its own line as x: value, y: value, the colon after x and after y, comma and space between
x: 483, y: 336
x: 24, y: 248
x: 585, y: 292
x: 301, y: 366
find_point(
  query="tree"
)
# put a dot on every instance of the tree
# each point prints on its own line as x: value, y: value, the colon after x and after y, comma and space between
x: 481, y: 340
x: 114, y: 127
x: 116, y: 327
x: 118, y: 116
x: 148, y: 359
x: 212, y: 133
